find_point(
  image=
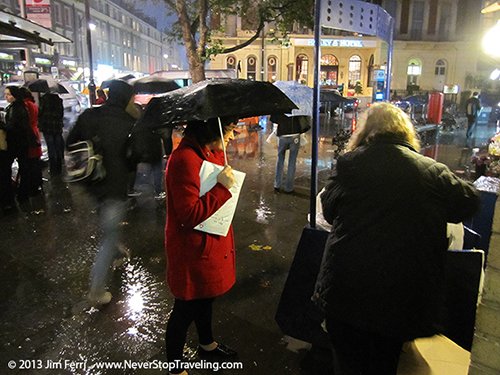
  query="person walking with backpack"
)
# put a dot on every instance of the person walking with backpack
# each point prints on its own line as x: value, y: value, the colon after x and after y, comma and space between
x: 108, y: 127
x: 472, y: 108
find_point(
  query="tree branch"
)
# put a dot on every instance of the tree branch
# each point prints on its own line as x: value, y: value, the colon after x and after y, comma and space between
x: 248, y: 42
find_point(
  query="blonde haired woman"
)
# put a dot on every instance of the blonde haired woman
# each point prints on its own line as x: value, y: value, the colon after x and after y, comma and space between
x: 380, y: 281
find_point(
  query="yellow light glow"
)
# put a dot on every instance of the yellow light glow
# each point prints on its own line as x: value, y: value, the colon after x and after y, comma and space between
x: 490, y: 41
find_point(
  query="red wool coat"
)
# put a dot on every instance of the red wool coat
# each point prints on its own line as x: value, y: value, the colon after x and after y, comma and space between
x: 34, y: 151
x: 199, y: 265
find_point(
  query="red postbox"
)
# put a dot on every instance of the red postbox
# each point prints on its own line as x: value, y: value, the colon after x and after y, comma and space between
x: 435, y: 107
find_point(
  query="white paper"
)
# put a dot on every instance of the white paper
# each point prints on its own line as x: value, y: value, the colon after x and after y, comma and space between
x: 220, y: 221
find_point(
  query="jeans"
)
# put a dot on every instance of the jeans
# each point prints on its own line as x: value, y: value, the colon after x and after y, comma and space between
x: 157, y: 172
x: 55, y: 148
x: 111, y: 214
x: 471, y: 121
x: 291, y: 143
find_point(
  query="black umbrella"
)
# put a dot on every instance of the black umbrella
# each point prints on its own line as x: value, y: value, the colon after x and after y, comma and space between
x: 154, y: 85
x: 44, y: 86
x: 38, y: 85
x: 217, y: 98
x: 105, y: 84
x: 333, y: 96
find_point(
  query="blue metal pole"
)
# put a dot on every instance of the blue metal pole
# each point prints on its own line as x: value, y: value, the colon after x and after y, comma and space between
x: 315, y: 127
x: 389, y: 60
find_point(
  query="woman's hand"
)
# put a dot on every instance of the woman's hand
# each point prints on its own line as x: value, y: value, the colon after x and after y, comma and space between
x: 226, y: 177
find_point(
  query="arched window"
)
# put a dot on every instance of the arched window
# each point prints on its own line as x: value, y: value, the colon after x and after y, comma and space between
x: 413, y: 72
x: 231, y: 62
x: 272, y: 66
x: 440, y: 75
x: 329, y: 60
x: 329, y: 70
x: 302, y: 67
x: 251, y: 68
x: 370, y: 72
x: 440, y: 69
x: 354, y: 70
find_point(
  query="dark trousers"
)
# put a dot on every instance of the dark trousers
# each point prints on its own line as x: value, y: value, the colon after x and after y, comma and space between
x: 183, y: 314
x: 6, y: 189
x: 30, y: 173
x: 55, y: 149
x: 471, y: 121
x: 358, y: 352
x: 166, y: 137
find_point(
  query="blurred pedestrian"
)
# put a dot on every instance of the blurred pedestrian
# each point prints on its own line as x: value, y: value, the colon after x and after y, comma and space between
x: 200, y: 266
x: 51, y: 124
x: 288, y: 130
x: 146, y: 147
x: 109, y: 127
x: 472, y: 108
x: 166, y: 137
x: 31, y: 183
x: 101, y: 97
x: 19, y: 137
x: 381, y: 278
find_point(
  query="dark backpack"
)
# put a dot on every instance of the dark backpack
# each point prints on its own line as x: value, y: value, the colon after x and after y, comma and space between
x: 144, y: 145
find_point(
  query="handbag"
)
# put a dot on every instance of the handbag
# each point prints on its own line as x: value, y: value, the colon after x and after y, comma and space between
x: 3, y: 140
x: 83, y: 163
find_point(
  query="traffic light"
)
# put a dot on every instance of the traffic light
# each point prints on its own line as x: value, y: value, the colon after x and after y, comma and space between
x: 22, y: 54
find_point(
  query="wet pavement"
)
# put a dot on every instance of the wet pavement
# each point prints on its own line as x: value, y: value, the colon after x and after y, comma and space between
x: 48, y: 250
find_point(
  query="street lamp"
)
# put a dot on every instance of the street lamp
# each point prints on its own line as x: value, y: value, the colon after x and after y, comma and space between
x: 165, y: 56
x: 92, y: 87
x: 490, y: 41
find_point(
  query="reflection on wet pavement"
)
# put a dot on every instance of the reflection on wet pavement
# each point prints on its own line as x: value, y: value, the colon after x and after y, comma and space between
x: 46, y: 262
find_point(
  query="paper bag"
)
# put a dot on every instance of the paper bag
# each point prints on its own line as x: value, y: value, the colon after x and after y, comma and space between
x: 220, y: 221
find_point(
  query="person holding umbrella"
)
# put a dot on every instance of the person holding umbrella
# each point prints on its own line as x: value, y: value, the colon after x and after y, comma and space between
x: 201, y: 266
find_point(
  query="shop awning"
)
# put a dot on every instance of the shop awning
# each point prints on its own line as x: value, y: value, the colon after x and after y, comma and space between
x: 18, y: 32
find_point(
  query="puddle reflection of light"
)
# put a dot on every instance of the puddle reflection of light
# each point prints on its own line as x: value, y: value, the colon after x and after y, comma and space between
x: 136, y: 304
x: 263, y: 212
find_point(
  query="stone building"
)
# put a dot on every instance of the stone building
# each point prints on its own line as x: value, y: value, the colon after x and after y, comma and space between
x: 436, y: 44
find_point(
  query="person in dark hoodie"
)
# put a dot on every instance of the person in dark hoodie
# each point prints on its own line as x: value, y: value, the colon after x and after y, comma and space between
x: 109, y: 126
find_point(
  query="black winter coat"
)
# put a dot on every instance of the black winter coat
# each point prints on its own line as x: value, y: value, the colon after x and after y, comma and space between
x: 17, y: 126
x: 383, y: 263
x: 112, y: 125
x: 51, y: 114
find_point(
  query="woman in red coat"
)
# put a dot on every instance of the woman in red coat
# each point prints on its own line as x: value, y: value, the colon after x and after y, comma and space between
x: 30, y: 169
x: 200, y: 266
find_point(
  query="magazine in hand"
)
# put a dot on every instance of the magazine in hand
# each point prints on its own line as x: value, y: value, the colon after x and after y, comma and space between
x: 220, y: 221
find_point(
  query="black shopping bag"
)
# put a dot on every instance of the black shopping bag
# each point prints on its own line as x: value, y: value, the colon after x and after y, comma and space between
x: 462, y: 275
x: 297, y: 315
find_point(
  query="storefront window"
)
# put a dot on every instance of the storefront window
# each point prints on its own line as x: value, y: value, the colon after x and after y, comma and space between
x: 354, y: 70
x: 251, y: 68
x: 329, y: 70
x: 302, y: 64
x: 272, y: 63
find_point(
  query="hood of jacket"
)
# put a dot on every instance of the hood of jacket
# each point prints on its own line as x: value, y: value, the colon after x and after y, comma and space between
x: 120, y: 93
